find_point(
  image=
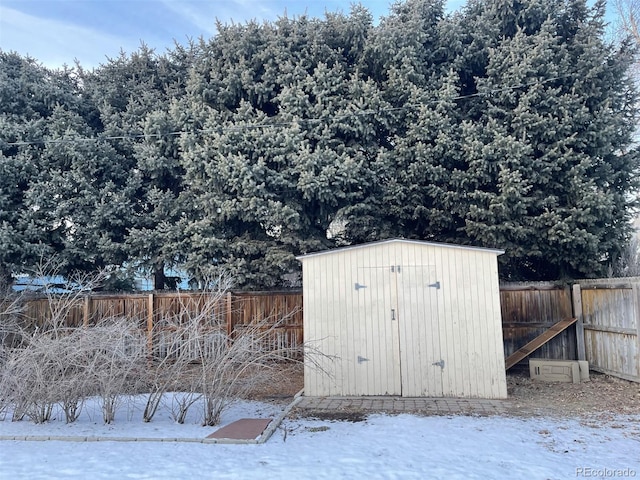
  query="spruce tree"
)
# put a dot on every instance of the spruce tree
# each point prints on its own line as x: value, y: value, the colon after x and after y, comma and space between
x: 30, y: 94
x: 136, y: 97
x: 547, y: 177
x: 289, y: 128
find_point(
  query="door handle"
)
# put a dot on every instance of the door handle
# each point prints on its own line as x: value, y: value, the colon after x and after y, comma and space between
x: 393, y: 314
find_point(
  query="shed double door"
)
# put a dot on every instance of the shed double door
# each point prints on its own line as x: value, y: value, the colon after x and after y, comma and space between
x: 396, y: 332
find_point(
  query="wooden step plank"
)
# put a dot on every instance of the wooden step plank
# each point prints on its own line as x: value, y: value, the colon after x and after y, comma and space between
x: 537, y: 342
x: 243, y: 429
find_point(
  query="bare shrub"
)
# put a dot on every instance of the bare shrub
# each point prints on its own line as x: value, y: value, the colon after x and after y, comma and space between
x: 197, y: 356
x: 116, y: 354
x: 57, y: 361
x: 54, y: 361
x: 38, y: 362
x: 11, y: 309
x: 45, y: 372
x: 178, y: 339
x: 181, y: 342
x: 234, y: 365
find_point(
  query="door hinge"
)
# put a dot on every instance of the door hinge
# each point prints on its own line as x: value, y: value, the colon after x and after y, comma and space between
x: 358, y: 286
x: 439, y: 364
x: 362, y: 359
x: 435, y: 285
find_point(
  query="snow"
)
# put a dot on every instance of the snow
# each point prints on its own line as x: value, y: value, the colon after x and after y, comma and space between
x: 381, y: 447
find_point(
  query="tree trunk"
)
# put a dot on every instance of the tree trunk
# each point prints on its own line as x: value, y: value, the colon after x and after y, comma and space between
x: 159, y: 278
x: 6, y: 278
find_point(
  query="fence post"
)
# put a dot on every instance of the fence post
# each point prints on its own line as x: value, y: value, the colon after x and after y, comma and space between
x: 636, y: 303
x: 576, y: 297
x: 86, y: 312
x: 228, y: 313
x: 150, y: 311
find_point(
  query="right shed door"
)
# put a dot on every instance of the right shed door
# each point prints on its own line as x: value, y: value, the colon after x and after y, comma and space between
x: 421, y: 360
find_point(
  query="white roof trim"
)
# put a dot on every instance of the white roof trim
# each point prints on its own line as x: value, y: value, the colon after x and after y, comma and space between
x: 401, y: 240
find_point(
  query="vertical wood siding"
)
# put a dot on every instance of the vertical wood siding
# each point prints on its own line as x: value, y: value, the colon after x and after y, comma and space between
x: 153, y: 312
x: 393, y: 335
x: 611, y: 326
x: 529, y: 309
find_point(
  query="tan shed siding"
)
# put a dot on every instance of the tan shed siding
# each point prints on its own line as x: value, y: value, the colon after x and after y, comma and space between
x: 491, y: 362
x: 335, y: 281
x: 337, y: 274
x: 346, y: 324
x: 470, y: 325
x: 478, y: 329
x: 450, y: 338
x: 321, y: 332
x: 314, y: 361
x: 459, y: 323
x: 450, y: 311
x: 372, y: 325
x: 418, y: 314
x: 343, y: 311
x: 497, y: 383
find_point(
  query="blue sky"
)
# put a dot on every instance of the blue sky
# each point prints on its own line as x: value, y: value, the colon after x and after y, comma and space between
x: 55, y: 32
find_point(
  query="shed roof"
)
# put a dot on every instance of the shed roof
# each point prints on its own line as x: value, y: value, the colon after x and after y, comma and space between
x: 401, y: 240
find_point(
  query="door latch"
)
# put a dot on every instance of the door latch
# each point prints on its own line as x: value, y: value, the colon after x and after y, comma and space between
x: 439, y: 364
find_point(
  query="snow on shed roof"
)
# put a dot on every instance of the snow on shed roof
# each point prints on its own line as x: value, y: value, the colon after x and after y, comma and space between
x: 401, y: 240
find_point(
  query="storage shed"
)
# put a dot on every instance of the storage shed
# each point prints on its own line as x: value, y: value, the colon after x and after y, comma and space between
x: 405, y: 318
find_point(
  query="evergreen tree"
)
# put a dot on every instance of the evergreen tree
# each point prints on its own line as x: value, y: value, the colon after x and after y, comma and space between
x: 30, y: 94
x: 547, y: 179
x: 507, y: 124
x: 136, y: 96
x: 79, y: 195
x: 290, y: 130
x: 411, y: 55
x: 517, y: 137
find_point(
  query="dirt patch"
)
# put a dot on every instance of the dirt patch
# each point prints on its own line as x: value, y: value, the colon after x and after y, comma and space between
x: 602, y: 396
x: 281, y: 384
x: 336, y: 416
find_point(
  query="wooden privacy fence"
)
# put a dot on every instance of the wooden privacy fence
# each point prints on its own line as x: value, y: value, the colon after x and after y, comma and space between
x: 231, y: 313
x: 610, y: 311
x: 530, y: 309
x: 607, y: 333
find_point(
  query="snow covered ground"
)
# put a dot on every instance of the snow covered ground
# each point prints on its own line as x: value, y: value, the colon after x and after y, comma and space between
x: 382, y: 447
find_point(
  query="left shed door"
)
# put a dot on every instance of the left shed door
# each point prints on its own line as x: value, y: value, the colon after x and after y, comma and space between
x: 375, y: 334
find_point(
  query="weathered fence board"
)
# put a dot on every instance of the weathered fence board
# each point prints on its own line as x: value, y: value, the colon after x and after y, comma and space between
x: 607, y: 335
x: 610, y: 310
x: 528, y: 310
x: 155, y: 313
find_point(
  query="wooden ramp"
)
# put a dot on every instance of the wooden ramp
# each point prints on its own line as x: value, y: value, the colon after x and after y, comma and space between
x: 537, y: 342
x: 243, y: 429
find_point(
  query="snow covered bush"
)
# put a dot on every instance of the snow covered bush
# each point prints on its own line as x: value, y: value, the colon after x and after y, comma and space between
x: 61, y: 359
x: 51, y: 361
x: 196, y: 356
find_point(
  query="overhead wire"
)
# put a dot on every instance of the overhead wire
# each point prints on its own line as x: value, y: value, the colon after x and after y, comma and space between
x: 233, y: 128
